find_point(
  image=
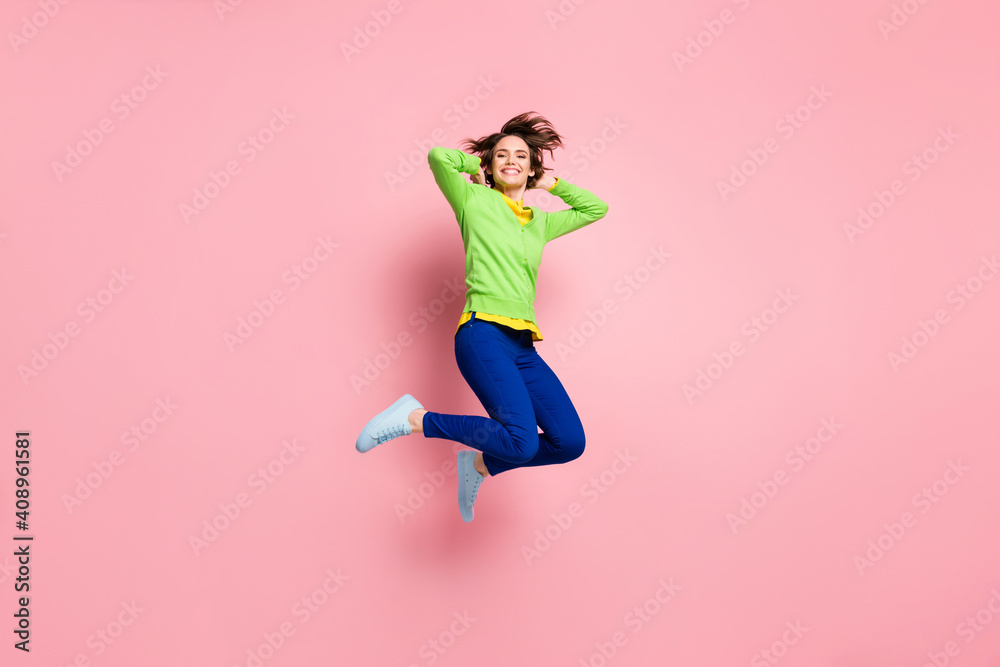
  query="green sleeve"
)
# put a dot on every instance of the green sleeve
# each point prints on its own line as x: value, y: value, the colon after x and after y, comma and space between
x: 448, y: 165
x: 586, y: 208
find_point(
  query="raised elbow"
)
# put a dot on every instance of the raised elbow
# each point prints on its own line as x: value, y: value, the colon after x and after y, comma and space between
x: 434, y: 155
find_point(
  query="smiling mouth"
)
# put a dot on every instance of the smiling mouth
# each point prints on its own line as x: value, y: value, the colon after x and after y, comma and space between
x: 510, y: 171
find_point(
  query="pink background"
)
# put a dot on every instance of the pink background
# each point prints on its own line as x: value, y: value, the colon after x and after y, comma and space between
x: 659, y: 138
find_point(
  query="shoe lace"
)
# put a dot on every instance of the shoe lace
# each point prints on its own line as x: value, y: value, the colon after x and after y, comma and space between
x: 389, y: 433
x: 475, y: 489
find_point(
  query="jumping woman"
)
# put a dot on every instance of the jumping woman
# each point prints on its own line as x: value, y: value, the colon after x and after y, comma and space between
x: 494, y: 341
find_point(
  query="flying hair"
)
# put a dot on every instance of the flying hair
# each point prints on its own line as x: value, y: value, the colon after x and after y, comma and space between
x: 535, y: 130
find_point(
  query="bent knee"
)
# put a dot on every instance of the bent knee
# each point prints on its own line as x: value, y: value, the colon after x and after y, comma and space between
x: 523, y: 449
x: 525, y: 452
x: 573, y: 444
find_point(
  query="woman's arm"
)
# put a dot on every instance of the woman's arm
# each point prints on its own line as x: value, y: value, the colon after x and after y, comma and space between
x: 448, y: 165
x: 586, y: 207
x: 545, y: 182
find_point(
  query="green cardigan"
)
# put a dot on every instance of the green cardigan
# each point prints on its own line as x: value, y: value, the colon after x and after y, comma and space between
x: 502, y: 256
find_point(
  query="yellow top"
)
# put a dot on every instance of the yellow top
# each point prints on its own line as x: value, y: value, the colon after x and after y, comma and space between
x: 524, y: 217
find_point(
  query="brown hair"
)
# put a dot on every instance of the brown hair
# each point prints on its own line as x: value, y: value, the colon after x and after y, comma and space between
x: 535, y: 130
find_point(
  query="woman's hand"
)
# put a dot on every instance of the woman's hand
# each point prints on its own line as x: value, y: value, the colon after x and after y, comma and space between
x: 479, y: 178
x: 545, y: 182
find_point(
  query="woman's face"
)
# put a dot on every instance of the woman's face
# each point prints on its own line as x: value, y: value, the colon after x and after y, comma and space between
x: 511, y: 162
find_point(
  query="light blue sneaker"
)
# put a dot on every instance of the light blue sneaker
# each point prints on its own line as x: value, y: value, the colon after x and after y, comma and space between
x: 391, y: 423
x: 469, y: 480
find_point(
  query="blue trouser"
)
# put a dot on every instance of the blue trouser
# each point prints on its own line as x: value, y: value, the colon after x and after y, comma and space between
x: 520, y: 393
